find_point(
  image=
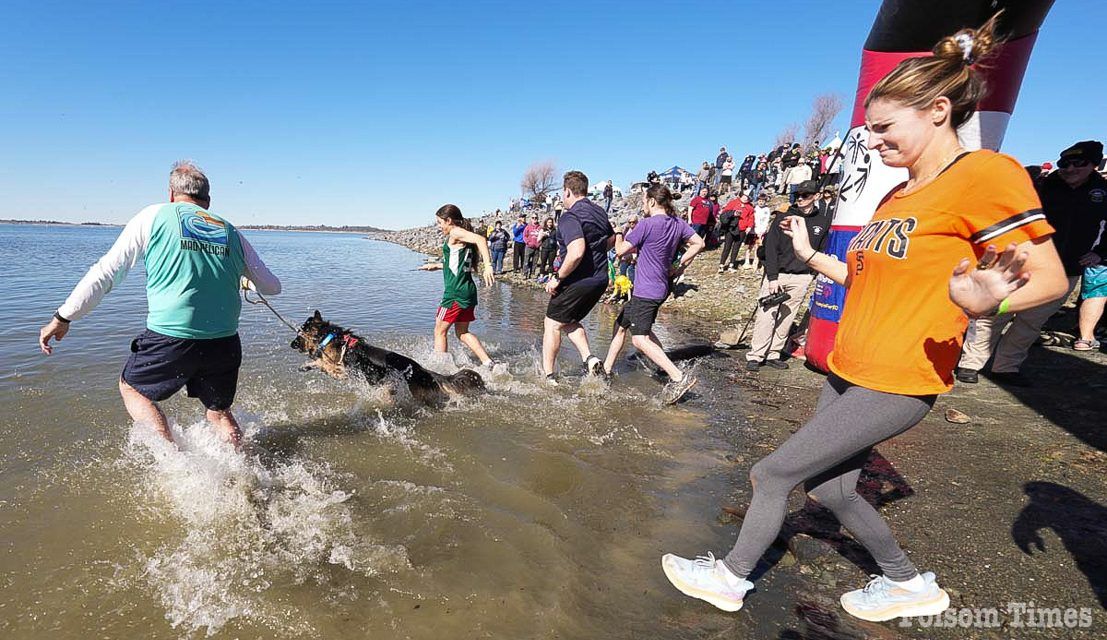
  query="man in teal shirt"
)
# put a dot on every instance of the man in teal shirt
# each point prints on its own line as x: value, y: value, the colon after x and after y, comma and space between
x: 195, y: 264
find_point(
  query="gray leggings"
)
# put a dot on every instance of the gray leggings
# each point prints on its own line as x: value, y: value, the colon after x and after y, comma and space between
x: 827, y: 455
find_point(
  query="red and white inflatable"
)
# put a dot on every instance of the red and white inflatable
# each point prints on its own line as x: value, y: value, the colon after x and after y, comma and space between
x: 904, y: 29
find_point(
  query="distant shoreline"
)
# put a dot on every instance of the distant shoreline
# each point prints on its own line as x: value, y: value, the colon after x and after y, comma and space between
x: 56, y: 223
x: 313, y: 229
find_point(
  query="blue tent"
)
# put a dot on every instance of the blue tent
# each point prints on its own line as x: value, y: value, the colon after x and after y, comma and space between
x: 673, y: 173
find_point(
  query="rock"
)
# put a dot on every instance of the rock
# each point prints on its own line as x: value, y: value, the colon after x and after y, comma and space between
x: 729, y: 336
x: 957, y: 417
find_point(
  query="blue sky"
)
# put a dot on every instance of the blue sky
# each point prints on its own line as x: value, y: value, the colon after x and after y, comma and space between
x: 378, y: 113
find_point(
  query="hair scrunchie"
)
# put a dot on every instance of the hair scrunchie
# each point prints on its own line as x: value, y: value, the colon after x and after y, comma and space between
x: 964, y: 40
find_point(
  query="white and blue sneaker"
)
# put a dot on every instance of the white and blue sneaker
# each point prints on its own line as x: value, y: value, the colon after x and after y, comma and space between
x: 883, y: 599
x: 707, y: 579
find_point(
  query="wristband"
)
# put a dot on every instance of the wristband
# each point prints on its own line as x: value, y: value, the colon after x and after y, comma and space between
x: 810, y: 257
x: 1004, y: 306
x: 59, y: 318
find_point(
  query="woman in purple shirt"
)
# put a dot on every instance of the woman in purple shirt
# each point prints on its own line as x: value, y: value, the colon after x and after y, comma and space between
x: 656, y: 240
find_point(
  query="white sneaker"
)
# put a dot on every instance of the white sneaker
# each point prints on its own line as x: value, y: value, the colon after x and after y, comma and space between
x: 882, y: 600
x: 707, y: 579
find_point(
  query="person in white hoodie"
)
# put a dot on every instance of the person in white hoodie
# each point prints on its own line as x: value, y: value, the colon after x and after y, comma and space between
x: 794, y: 176
x: 761, y: 218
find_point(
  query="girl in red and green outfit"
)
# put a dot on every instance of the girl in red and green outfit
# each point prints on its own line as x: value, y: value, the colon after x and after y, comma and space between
x: 459, y: 298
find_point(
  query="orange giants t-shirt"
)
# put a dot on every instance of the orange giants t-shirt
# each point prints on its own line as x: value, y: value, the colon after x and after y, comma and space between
x: 899, y: 331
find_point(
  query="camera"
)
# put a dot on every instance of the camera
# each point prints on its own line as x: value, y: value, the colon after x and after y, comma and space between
x: 772, y: 300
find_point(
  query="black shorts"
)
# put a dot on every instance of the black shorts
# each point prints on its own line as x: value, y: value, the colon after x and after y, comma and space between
x: 160, y: 365
x: 638, y: 316
x: 574, y: 301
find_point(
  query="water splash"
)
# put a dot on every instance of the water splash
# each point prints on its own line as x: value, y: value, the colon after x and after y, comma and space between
x: 248, y: 529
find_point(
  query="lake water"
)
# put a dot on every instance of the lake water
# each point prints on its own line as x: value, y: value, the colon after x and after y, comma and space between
x: 526, y: 513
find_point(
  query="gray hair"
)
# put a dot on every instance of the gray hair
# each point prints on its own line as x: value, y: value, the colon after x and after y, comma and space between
x: 186, y: 179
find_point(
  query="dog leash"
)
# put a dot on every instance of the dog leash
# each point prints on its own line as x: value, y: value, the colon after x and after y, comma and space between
x: 261, y: 300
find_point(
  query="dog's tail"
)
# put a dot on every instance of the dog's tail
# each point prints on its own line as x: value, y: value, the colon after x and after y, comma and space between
x: 463, y: 382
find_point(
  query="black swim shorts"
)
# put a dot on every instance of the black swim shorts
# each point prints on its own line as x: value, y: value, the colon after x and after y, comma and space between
x: 160, y: 365
x: 638, y: 316
x: 574, y: 301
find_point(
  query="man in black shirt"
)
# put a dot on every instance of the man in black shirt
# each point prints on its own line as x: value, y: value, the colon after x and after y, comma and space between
x: 1074, y: 200
x: 785, y: 272
x: 583, y: 239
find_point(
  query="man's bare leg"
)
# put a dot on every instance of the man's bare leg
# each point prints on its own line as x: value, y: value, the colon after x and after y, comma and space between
x: 551, y: 344
x: 227, y: 426
x: 144, y: 410
x: 1091, y: 310
x: 579, y: 339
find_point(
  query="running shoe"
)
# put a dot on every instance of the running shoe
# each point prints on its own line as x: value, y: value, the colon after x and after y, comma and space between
x: 551, y: 380
x: 776, y: 364
x: 882, y: 600
x: 753, y: 365
x: 674, y: 391
x: 707, y: 579
x: 594, y: 366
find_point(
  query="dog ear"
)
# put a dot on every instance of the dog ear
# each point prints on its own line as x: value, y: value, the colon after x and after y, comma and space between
x: 317, y: 315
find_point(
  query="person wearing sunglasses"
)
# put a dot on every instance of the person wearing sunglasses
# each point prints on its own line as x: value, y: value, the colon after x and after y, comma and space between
x: 1074, y: 200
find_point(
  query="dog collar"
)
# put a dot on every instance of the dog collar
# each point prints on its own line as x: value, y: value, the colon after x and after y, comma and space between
x: 323, y: 345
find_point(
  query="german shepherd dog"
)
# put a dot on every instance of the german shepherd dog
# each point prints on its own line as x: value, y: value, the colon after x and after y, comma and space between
x: 336, y: 351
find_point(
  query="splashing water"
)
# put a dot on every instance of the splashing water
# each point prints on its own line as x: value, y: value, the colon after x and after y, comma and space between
x: 248, y: 528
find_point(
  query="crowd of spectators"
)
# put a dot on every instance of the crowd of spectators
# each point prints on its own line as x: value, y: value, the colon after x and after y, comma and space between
x: 730, y: 205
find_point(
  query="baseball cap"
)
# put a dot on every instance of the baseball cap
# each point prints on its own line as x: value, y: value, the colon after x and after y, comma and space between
x: 1090, y: 150
x: 807, y: 187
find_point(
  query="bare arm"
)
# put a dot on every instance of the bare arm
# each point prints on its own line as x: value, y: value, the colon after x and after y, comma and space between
x: 622, y: 247
x: 692, y: 248
x: 461, y: 235
x: 1049, y: 281
x: 980, y: 291
x: 574, y: 252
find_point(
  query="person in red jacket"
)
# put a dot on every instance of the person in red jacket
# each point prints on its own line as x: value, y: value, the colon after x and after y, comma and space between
x: 735, y: 222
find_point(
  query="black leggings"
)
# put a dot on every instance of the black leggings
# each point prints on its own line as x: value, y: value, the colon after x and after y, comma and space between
x: 732, y: 244
x: 827, y: 455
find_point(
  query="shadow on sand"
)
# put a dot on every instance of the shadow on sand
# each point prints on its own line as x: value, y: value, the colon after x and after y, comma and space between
x: 1079, y: 521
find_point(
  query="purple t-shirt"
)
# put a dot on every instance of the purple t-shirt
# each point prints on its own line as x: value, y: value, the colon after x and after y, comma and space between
x: 658, y: 238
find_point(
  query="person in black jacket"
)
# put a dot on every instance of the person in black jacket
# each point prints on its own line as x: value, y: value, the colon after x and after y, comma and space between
x: 1074, y: 200
x: 785, y: 272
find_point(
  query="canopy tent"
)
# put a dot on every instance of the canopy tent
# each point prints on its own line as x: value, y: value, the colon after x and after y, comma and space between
x: 673, y: 173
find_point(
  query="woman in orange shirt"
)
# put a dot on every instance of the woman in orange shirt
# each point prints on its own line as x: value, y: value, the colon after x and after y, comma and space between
x: 903, y: 320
